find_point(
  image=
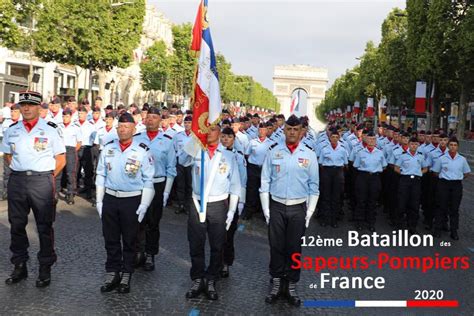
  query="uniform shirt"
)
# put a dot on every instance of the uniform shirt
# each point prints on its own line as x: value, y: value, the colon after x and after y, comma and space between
x: 71, y: 134
x: 451, y: 168
x: 411, y: 164
x: 163, y: 153
x: 434, y: 155
x: 226, y: 179
x: 395, y: 154
x: 370, y: 161
x: 355, y: 151
x: 257, y: 150
x: 103, y: 136
x: 179, y: 141
x: 392, y: 149
x: 178, y: 128
x: 6, y: 112
x: 57, y: 119
x: 241, y: 141
x: 33, y: 151
x: 241, y: 164
x: 140, y: 127
x: 333, y: 157
x: 252, y: 131
x: 7, y: 123
x: 170, y: 132
x: 289, y: 175
x: 130, y: 170
x: 88, y: 133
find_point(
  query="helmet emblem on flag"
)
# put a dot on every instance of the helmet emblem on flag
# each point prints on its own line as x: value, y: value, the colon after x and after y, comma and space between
x: 202, y: 121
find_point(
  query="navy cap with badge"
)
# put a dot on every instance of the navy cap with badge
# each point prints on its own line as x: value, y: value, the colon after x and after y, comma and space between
x: 126, y: 118
x: 30, y: 97
x: 154, y: 110
x: 188, y: 118
x: 293, y: 120
x: 67, y: 111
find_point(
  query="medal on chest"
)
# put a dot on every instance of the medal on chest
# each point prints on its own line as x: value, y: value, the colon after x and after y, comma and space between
x: 303, y: 163
x: 40, y: 143
x: 132, y: 166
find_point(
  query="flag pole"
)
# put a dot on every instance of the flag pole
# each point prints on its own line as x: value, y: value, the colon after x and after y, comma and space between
x: 201, y: 182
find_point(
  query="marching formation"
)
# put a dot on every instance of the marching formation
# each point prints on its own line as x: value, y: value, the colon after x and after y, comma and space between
x: 137, y: 161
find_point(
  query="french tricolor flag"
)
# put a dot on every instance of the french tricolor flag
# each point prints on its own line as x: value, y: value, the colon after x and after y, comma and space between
x: 207, y: 98
x: 420, y: 97
x: 370, y: 107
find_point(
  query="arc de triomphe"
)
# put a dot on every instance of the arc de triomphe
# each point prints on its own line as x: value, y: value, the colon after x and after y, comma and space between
x: 307, y: 83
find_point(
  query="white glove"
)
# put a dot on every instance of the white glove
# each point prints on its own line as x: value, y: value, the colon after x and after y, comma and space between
x: 141, y: 211
x: 99, y: 209
x: 234, y: 199
x: 166, y: 195
x: 265, y: 200
x: 99, y: 197
x: 240, y: 208
x: 168, y: 186
x: 312, y: 202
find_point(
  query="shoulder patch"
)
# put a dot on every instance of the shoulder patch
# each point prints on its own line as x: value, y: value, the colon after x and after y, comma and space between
x: 14, y: 124
x: 273, y: 146
x: 137, y: 134
x: 109, y: 142
x: 419, y: 153
x: 142, y: 145
x: 168, y: 136
x: 50, y: 124
x: 238, y: 151
x: 311, y: 148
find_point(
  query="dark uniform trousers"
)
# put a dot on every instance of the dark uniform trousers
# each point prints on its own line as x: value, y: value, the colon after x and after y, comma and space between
x: 214, y: 227
x: 95, y: 152
x: 85, y: 161
x: 184, y: 186
x: 425, y: 195
x: 352, y: 176
x: 252, y: 201
x: 35, y: 191
x: 431, y: 201
x: 228, y: 253
x: 6, y: 174
x: 449, y: 194
x: 286, y: 227
x: 409, y: 192
x: 120, y: 228
x: 393, y: 179
x: 368, y: 187
x: 149, y: 229
x: 71, y: 172
x: 332, y: 184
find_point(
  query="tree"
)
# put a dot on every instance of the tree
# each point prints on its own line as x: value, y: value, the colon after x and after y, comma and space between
x: 183, y: 63
x: 10, y: 34
x: 155, y: 67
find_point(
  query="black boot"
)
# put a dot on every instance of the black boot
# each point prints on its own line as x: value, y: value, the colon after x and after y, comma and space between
x: 211, y: 292
x: 112, y: 280
x: 44, y: 278
x: 196, y: 288
x: 19, y: 273
x: 149, y: 264
x: 69, y: 199
x: 225, y: 271
x: 139, y: 259
x: 124, y: 286
x: 275, y: 291
x: 292, y: 295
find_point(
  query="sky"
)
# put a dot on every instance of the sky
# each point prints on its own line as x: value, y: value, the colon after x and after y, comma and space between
x: 257, y: 35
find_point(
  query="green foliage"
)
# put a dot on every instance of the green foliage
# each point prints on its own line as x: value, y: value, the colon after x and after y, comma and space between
x: 155, y: 67
x: 10, y: 34
x: 90, y: 34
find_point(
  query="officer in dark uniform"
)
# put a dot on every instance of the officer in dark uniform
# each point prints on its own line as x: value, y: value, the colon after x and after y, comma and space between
x: 451, y: 168
x: 124, y: 191
x: 289, y: 193
x: 35, y: 152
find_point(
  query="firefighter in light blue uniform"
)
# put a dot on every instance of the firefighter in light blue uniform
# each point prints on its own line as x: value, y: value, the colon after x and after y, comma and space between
x: 221, y: 180
x: 124, y: 191
x: 162, y: 149
x: 289, y: 193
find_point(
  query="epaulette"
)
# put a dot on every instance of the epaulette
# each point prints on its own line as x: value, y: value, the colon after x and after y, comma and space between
x: 311, y: 148
x: 49, y: 123
x: 272, y: 146
x: 109, y: 142
x: 168, y: 136
x: 238, y: 151
x: 142, y: 145
x: 419, y: 153
x: 14, y: 124
x: 137, y: 134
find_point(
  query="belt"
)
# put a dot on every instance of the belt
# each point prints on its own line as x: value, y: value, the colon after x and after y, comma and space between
x: 332, y: 167
x: 370, y: 173
x: 32, y: 173
x: 159, y: 179
x: 215, y: 198
x: 122, y: 194
x: 410, y: 176
x: 289, y: 202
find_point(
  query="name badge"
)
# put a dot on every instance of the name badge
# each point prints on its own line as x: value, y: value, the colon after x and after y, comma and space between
x: 40, y: 143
